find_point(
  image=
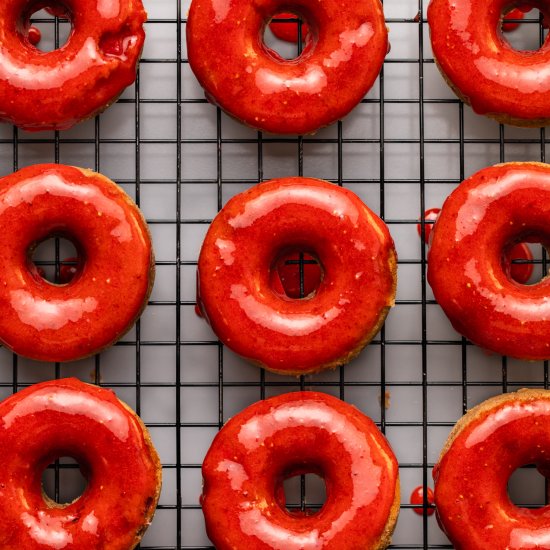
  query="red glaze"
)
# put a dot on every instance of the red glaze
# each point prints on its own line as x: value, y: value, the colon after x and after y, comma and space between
x: 34, y: 36
x: 417, y: 499
x: 342, y: 57
x: 483, y: 68
x: 55, y: 90
x: 521, y: 273
x: 69, y: 418
x: 68, y: 270
x: 429, y: 216
x: 302, y: 432
x: 516, y: 13
x: 486, y: 215
x: 50, y: 322
x: 285, y: 275
x: 485, y: 448
x: 287, y: 30
x: 289, y: 336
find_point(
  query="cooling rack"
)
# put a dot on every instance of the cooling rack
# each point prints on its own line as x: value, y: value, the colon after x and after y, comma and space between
x: 402, y: 150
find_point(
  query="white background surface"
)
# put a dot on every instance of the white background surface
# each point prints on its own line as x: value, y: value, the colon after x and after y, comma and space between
x: 215, y: 384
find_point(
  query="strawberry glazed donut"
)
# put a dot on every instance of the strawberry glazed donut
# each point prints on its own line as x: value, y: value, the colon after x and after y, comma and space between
x: 243, y: 498
x: 481, y: 66
x: 113, y: 449
x: 51, y: 322
x: 343, y: 54
x: 468, y: 270
x: 471, y: 478
x: 250, y: 314
x: 57, y: 89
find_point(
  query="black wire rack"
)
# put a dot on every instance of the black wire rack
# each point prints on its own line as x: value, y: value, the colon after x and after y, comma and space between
x: 172, y: 370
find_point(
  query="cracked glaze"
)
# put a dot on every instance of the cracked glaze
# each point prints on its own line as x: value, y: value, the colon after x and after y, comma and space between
x: 483, y: 68
x: 486, y: 215
x: 301, y: 432
x: 70, y: 418
x: 65, y: 322
x: 239, y: 254
x: 342, y: 57
x: 471, y: 478
x: 55, y: 90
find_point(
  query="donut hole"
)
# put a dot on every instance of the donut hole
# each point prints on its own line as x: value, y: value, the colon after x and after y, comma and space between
x: 296, y: 274
x: 525, y: 262
x: 50, y: 36
x: 527, y: 487
x: 524, y: 30
x: 303, y: 494
x: 71, y: 482
x: 56, y: 260
x: 285, y: 35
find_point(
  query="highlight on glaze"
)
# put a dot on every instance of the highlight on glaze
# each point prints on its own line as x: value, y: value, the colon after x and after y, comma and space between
x: 55, y: 90
x: 240, y: 296
x: 110, y: 284
x: 471, y: 478
x: 342, y: 57
x: 304, y: 432
x: 114, y: 451
x: 483, y: 68
x: 468, y: 266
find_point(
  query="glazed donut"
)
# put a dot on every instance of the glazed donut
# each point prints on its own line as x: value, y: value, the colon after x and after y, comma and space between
x: 483, y: 69
x: 480, y: 221
x: 55, y: 90
x: 115, y: 454
x: 342, y: 57
x: 486, y: 446
x: 52, y: 322
x: 329, y: 327
x: 304, y: 432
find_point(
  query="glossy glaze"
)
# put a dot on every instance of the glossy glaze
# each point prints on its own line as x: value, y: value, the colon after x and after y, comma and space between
x: 471, y: 477
x: 284, y: 335
x: 342, y: 58
x: 66, y: 322
x: 115, y: 454
x: 488, y: 213
x: 294, y: 433
x: 55, y: 90
x: 483, y: 68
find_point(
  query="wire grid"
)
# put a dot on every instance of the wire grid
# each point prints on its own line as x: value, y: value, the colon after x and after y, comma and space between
x: 405, y: 147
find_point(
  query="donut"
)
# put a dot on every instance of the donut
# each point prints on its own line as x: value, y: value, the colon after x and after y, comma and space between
x: 57, y: 89
x: 483, y: 69
x: 471, y: 477
x: 114, y: 278
x: 115, y: 454
x: 296, y: 433
x: 236, y: 294
x: 483, y: 218
x: 342, y: 56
